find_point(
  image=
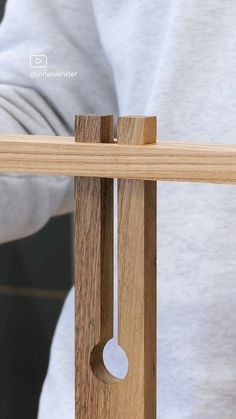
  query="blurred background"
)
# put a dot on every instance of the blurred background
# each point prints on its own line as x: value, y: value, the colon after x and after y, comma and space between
x: 35, y: 276
x: 2, y: 5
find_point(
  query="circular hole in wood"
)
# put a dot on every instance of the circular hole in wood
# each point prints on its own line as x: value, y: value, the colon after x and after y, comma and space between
x: 109, y: 362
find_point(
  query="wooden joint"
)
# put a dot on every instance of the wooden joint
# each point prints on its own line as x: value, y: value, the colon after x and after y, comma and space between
x: 99, y: 394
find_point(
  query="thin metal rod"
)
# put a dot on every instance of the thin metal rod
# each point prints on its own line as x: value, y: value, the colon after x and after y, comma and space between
x: 115, y: 263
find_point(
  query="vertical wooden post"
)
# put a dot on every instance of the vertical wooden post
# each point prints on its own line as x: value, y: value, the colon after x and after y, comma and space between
x: 98, y: 396
x: 137, y: 278
x: 93, y: 269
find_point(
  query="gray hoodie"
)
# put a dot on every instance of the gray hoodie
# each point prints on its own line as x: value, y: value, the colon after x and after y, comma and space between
x: 172, y: 58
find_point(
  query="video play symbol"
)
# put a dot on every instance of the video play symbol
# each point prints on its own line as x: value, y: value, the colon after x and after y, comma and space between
x: 38, y: 61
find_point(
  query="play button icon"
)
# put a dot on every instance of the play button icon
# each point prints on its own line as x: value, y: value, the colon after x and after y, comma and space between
x: 38, y: 61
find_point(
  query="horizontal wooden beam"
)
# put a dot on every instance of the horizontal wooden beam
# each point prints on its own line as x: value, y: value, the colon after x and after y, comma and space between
x: 172, y: 161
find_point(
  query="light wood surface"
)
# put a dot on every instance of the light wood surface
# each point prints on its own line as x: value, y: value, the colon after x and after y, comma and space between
x: 174, y: 161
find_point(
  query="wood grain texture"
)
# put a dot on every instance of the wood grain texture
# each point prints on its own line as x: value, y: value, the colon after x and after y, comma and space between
x: 93, y: 271
x: 135, y: 396
x: 137, y: 281
x: 172, y: 161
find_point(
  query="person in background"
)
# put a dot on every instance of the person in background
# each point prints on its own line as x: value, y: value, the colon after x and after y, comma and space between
x: 174, y: 59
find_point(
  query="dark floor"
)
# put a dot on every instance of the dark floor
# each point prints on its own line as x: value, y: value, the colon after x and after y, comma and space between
x: 35, y: 275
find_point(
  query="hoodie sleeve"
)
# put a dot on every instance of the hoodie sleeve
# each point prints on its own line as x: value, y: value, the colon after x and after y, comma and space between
x: 52, y: 66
